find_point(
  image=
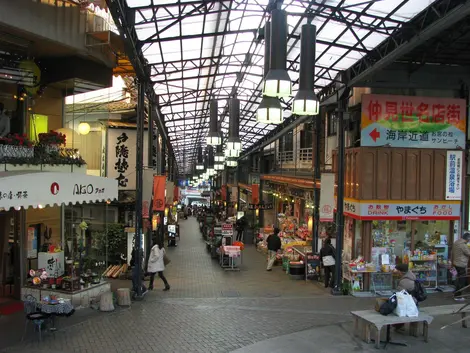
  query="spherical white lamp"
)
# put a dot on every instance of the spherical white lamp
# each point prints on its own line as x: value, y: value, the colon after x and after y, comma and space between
x: 84, y: 128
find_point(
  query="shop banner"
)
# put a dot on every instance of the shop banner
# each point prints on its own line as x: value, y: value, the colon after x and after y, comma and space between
x: 159, y: 184
x: 410, y: 211
x: 176, y: 194
x: 227, y: 229
x: 33, y: 189
x: 121, y: 156
x: 327, y: 197
x: 223, y: 191
x: 454, y: 175
x: 170, y: 188
x: 255, y: 193
x: 421, y: 122
x: 234, y: 194
x: 147, y: 192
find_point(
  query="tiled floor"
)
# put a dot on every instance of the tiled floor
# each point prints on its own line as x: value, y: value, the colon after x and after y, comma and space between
x: 209, y: 310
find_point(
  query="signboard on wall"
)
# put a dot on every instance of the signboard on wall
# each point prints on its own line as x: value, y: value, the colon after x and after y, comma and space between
x: 327, y: 197
x: 234, y: 194
x: 405, y: 121
x: 121, y: 158
x: 454, y: 175
x: 410, y: 211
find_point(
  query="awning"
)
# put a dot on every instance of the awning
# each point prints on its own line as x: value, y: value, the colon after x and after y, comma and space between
x: 40, y: 189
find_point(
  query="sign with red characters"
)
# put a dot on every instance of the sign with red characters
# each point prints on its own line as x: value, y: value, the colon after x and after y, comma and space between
x: 402, y: 210
x: 406, y: 121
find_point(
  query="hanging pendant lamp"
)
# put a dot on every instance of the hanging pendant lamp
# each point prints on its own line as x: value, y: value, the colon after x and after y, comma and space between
x: 234, y: 145
x: 277, y: 82
x: 306, y: 101
x: 200, y: 160
x: 269, y: 110
x: 210, y: 161
x: 213, y: 138
x: 232, y: 162
x: 219, y: 158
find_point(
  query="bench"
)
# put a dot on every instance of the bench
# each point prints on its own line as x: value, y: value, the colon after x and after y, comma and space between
x: 448, y: 310
x: 372, y: 317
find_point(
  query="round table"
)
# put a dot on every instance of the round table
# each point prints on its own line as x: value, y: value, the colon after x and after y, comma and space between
x: 64, y: 308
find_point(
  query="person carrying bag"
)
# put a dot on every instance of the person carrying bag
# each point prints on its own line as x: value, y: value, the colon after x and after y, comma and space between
x: 328, y: 259
x: 156, y: 264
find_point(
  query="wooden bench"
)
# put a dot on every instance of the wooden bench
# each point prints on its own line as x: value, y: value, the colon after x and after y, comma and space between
x: 372, y: 317
x: 454, y: 309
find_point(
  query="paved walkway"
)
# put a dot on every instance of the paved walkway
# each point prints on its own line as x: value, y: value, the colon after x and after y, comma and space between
x: 209, y: 310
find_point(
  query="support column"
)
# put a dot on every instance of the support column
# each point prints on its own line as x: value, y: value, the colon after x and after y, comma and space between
x: 139, y: 186
x: 261, y: 188
x: 337, y: 290
x: 151, y: 164
x: 316, y: 180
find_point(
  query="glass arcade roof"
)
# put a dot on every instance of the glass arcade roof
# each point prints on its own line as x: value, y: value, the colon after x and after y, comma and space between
x: 204, y: 49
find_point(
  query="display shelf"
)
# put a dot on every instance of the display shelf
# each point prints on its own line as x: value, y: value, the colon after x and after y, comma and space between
x: 425, y: 270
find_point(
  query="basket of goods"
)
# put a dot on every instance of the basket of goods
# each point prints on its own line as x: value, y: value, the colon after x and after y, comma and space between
x: 240, y: 244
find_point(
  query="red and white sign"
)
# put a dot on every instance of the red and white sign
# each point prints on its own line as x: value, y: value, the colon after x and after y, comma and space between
x: 227, y: 229
x: 327, y: 197
x: 26, y: 189
x: 55, y: 188
x: 369, y: 211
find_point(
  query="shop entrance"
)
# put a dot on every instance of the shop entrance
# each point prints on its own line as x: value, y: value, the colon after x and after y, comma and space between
x: 7, y: 256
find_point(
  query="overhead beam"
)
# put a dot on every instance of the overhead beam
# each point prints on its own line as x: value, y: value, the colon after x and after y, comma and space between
x: 418, y: 76
x: 427, y: 24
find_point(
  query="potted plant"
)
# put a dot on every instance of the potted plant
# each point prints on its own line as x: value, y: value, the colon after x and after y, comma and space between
x: 16, y: 146
x: 51, y: 141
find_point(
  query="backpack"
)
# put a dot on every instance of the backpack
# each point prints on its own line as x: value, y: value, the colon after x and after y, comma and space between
x: 389, y: 306
x: 419, y: 292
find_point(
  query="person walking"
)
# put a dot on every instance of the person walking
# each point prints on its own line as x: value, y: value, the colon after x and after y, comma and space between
x: 157, y: 265
x: 240, y: 225
x: 460, y: 257
x: 274, y: 245
x: 327, y: 257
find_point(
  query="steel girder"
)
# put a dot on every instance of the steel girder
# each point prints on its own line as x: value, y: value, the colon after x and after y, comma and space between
x: 162, y: 20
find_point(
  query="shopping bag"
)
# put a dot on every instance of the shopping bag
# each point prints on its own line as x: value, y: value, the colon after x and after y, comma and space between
x: 411, y: 307
x: 400, y: 310
x: 406, y: 306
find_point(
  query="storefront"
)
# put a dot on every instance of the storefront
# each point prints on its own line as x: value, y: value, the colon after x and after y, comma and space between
x: 53, y: 214
x: 380, y: 234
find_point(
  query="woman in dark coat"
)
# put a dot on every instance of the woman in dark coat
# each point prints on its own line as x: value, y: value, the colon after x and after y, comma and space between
x: 327, y: 257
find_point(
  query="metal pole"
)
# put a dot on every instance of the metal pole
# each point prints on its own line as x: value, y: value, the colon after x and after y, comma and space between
x: 151, y: 163
x: 340, y: 200
x: 139, y: 186
x: 316, y: 179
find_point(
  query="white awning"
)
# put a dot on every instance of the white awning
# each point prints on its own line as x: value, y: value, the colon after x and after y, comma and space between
x: 40, y: 189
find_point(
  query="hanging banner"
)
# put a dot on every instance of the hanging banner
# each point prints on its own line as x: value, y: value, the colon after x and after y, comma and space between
x: 121, y: 156
x: 159, y: 184
x: 327, y: 197
x: 176, y: 194
x: 147, y: 192
x: 234, y: 194
x: 170, y: 188
x: 255, y: 194
x: 223, y: 191
x: 454, y: 175
x: 420, y: 122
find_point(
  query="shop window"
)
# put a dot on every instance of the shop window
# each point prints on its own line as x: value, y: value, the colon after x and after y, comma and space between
x: 306, y: 137
x: 331, y: 124
x: 287, y: 142
x: 394, y: 237
x: 38, y: 124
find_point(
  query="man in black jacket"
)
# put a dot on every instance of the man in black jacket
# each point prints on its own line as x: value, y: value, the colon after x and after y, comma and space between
x: 274, y: 245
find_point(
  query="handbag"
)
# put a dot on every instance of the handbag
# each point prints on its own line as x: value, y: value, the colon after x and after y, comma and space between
x: 328, y: 260
x: 166, y: 260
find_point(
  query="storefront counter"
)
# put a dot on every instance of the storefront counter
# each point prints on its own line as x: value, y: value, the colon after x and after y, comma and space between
x: 78, y: 298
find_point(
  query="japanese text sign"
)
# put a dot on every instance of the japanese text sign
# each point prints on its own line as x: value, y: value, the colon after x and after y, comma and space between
x: 405, y: 121
x: 327, y: 197
x: 411, y: 211
x: 454, y: 175
x: 121, y: 156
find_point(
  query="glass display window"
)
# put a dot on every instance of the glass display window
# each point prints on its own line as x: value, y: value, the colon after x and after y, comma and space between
x: 426, y: 233
x: 394, y: 235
